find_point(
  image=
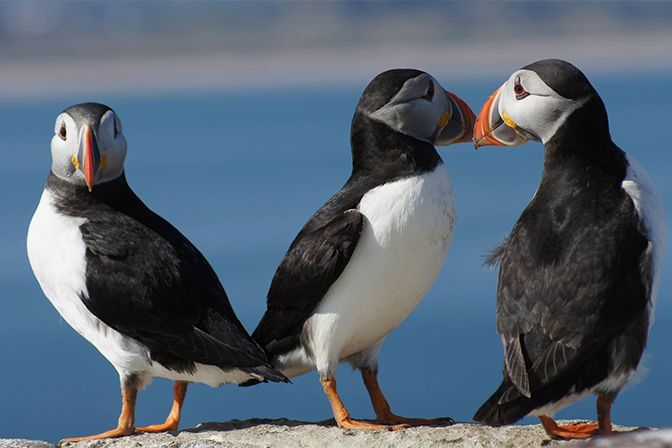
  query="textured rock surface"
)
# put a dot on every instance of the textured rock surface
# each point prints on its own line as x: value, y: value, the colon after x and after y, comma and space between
x: 636, y: 439
x: 19, y: 443
x: 258, y: 433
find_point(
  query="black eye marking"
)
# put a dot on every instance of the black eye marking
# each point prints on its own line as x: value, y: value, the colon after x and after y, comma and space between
x: 117, y: 131
x: 62, y: 133
x: 519, y: 90
x: 429, y: 96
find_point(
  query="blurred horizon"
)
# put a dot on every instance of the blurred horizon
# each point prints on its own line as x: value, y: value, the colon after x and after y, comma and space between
x: 54, y: 49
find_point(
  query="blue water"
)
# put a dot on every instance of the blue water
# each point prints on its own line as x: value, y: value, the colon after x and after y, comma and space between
x: 239, y: 174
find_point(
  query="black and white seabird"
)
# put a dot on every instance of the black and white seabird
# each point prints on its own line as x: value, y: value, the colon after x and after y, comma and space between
x: 126, y: 279
x: 365, y: 259
x: 579, y: 271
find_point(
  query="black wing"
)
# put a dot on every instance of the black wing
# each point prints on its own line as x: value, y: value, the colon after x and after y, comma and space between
x: 147, y: 281
x: 571, y: 279
x: 314, y: 261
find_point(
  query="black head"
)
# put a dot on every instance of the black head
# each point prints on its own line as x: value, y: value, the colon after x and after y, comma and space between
x: 384, y: 87
x: 563, y: 77
x: 413, y: 103
x: 91, y: 113
x: 542, y: 101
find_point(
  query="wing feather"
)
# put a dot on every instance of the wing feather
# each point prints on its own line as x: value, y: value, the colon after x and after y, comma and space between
x: 314, y: 261
x: 564, y: 293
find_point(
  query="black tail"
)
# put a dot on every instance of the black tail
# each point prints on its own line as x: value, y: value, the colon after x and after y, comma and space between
x: 268, y: 373
x: 512, y: 409
x: 507, y: 405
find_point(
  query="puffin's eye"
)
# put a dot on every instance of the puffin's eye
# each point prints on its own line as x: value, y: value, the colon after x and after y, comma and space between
x: 519, y: 90
x: 430, y: 92
x: 62, y: 132
x: 117, y: 127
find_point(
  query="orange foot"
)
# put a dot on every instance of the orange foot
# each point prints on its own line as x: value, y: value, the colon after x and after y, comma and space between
x: 555, y: 431
x: 349, y: 423
x: 392, y: 419
x: 111, y: 434
x: 342, y: 416
x: 169, y: 425
x: 173, y: 419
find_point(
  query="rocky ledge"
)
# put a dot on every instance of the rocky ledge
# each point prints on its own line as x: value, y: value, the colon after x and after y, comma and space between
x: 282, y: 433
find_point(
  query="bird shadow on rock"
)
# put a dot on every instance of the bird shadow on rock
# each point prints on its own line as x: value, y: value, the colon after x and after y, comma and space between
x: 233, y: 425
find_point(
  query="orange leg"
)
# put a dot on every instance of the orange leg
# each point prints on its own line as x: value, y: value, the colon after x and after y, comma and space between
x: 604, y: 414
x: 342, y: 416
x: 602, y: 427
x: 383, y: 412
x: 173, y: 419
x: 126, y: 419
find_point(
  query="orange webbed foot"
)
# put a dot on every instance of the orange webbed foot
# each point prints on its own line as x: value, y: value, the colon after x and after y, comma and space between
x: 111, y: 434
x: 349, y: 423
x: 570, y: 432
x: 168, y: 425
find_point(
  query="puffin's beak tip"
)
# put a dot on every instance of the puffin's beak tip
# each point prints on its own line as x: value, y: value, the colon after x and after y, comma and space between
x: 462, y: 118
x: 90, y: 158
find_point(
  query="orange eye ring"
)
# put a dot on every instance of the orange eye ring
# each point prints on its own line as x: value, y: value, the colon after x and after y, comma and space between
x: 62, y: 133
x: 519, y: 90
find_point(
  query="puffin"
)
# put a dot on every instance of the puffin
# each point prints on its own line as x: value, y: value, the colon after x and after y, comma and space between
x: 579, y: 272
x: 127, y: 280
x: 366, y: 258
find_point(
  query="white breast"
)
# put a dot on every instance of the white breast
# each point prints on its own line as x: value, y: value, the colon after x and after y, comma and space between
x: 57, y: 255
x: 57, y: 252
x: 407, y: 233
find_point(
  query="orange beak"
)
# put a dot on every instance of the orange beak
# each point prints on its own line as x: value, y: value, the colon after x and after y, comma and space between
x: 468, y: 117
x: 491, y: 129
x: 459, y: 128
x: 89, y: 154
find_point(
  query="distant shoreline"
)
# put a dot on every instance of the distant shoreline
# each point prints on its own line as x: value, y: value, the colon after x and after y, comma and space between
x: 289, y: 68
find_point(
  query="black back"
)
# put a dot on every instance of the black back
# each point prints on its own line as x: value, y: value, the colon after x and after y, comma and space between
x: 574, y: 274
x: 147, y: 281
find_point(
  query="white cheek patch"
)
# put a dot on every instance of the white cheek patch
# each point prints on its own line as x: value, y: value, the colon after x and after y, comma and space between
x: 116, y: 155
x: 548, y: 114
x: 542, y: 112
x: 62, y: 164
x: 63, y: 151
x: 416, y: 119
x: 113, y: 149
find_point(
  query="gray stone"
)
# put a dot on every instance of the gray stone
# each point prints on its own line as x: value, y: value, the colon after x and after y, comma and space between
x: 21, y: 443
x: 635, y: 439
x: 283, y: 433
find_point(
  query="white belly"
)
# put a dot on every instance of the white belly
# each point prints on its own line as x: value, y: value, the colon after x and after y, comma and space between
x: 407, y: 233
x: 57, y: 252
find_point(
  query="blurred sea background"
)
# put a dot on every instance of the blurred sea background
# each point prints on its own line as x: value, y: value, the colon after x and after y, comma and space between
x: 237, y: 117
